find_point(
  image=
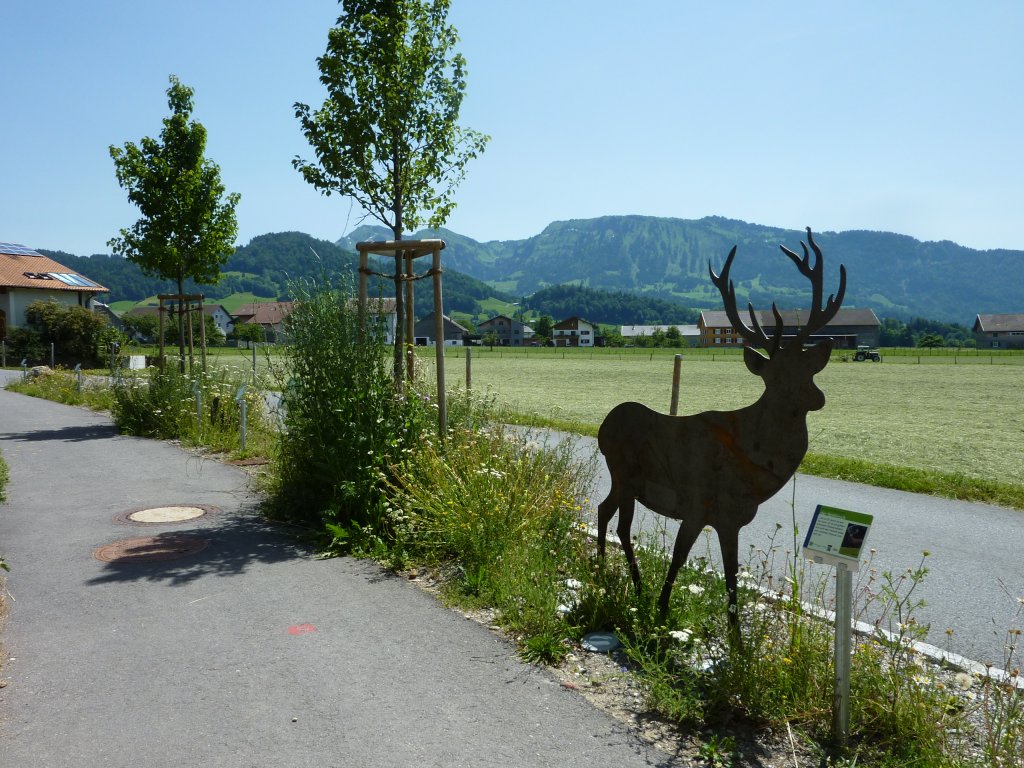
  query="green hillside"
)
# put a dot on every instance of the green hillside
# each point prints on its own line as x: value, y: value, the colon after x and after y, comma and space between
x: 893, y: 274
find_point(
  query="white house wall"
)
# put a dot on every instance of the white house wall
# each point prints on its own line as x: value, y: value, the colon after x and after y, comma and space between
x: 15, y: 302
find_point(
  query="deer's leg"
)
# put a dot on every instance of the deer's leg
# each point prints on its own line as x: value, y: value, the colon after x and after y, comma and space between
x: 729, y: 540
x: 627, y: 506
x: 605, y: 510
x: 688, y: 532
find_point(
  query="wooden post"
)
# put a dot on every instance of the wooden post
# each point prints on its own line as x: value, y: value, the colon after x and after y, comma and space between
x: 202, y: 331
x: 160, y: 313
x: 186, y: 311
x: 442, y: 406
x: 469, y: 369
x: 674, y: 408
x: 410, y: 316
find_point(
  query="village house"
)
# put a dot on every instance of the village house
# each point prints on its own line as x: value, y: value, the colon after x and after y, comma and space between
x: 269, y: 315
x: 455, y: 335
x: 574, y: 332
x: 27, y: 276
x: 999, y: 331
x: 221, y: 317
x: 849, y: 329
x: 509, y: 332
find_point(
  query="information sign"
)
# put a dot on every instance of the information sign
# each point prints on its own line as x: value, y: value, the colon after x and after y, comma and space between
x: 836, y: 536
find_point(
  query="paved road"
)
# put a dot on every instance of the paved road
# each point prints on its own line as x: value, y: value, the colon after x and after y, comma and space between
x: 249, y: 653
x: 976, y: 561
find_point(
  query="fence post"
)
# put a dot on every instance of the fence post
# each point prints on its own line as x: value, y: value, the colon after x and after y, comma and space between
x: 469, y: 369
x: 53, y: 357
x: 674, y: 407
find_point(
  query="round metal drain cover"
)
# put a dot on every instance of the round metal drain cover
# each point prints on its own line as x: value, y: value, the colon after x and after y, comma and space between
x: 150, y: 549
x: 181, y: 513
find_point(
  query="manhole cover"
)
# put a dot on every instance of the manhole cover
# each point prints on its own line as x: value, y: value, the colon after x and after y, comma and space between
x: 181, y: 513
x: 150, y: 549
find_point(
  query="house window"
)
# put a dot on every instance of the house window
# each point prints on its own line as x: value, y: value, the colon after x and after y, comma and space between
x: 584, y: 333
x: 995, y: 345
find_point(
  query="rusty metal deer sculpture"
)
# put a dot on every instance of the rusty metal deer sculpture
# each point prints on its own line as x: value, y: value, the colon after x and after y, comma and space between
x: 716, y: 468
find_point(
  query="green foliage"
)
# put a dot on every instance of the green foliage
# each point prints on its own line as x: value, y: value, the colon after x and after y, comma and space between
x: 188, y: 226
x: 25, y: 343
x: 387, y: 134
x: 501, y: 515
x: 163, y: 404
x: 63, y: 387
x: 252, y: 332
x: 344, y: 425
x: 76, y: 333
x: 610, y: 306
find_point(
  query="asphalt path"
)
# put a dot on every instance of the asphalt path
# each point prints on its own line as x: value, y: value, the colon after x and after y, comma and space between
x: 976, y: 560
x: 248, y: 653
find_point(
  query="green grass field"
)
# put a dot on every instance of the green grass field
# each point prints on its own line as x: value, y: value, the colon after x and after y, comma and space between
x: 947, y: 418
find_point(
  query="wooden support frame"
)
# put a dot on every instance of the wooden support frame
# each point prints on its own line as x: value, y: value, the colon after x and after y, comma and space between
x: 405, y: 252
x: 186, y: 303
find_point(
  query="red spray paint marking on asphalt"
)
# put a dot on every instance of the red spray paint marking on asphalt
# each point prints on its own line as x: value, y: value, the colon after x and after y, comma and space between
x: 301, y: 629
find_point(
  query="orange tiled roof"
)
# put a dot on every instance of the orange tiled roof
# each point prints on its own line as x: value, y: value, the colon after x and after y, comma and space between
x: 264, y: 313
x: 22, y: 267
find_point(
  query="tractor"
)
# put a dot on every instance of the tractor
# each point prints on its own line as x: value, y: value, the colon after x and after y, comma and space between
x: 864, y: 352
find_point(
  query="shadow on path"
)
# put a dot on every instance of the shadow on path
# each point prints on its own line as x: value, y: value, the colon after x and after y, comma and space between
x: 74, y: 434
x: 234, y: 546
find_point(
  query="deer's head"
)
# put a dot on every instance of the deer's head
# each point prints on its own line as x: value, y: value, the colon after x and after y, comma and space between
x: 789, y: 367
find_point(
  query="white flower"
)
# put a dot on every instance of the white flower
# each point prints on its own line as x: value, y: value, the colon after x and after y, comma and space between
x: 695, y: 588
x: 681, y: 635
x: 963, y: 680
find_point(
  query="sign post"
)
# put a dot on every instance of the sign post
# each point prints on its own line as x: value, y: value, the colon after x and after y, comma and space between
x: 836, y: 537
x: 240, y: 399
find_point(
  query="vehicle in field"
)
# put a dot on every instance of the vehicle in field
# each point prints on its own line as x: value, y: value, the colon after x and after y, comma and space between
x: 864, y: 352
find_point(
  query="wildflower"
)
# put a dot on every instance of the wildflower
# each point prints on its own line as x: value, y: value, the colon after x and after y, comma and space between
x: 681, y: 635
x: 963, y: 680
x: 695, y: 589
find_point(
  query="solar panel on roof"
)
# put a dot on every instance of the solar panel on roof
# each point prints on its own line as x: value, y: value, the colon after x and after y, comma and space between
x: 69, y: 278
x: 17, y: 250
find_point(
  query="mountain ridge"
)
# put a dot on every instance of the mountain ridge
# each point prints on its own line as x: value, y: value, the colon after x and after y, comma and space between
x: 895, y: 275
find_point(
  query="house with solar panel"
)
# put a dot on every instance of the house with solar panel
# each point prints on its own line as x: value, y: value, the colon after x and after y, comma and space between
x: 27, y: 276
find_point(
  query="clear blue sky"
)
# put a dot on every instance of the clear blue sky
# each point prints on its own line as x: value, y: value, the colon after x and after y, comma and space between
x: 904, y: 117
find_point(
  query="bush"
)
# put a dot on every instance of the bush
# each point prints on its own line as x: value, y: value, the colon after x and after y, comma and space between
x: 76, y: 333
x: 27, y: 344
x: 162, y: 404
x: 344, y: 425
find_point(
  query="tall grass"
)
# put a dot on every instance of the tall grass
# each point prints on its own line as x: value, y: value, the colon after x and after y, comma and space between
x: 197, y: 409
x: 344, y: 425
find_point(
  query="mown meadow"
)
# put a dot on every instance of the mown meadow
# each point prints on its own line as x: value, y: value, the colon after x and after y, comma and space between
x: 963, y: 418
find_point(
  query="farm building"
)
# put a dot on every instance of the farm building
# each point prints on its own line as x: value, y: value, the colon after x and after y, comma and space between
x: 454, y: 334
x: 27, y: 276
x: 690, y: 334
x: 848, y: 329
x: 999, y: 331
x: 574, y: 332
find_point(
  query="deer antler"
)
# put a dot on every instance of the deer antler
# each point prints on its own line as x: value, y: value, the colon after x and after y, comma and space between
x: 756, y: 335
x: 818, y: 317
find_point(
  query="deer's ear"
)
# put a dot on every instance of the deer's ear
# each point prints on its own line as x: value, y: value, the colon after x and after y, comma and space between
x: 755, y: 361
x: 818, y: 354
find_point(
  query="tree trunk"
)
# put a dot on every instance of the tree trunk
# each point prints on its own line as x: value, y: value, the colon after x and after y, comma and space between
x: 181, y: 324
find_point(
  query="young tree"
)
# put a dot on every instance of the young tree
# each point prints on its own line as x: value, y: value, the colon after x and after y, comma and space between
x: 544, y: 329
x: 387, y: 134
x: 188, y: 226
